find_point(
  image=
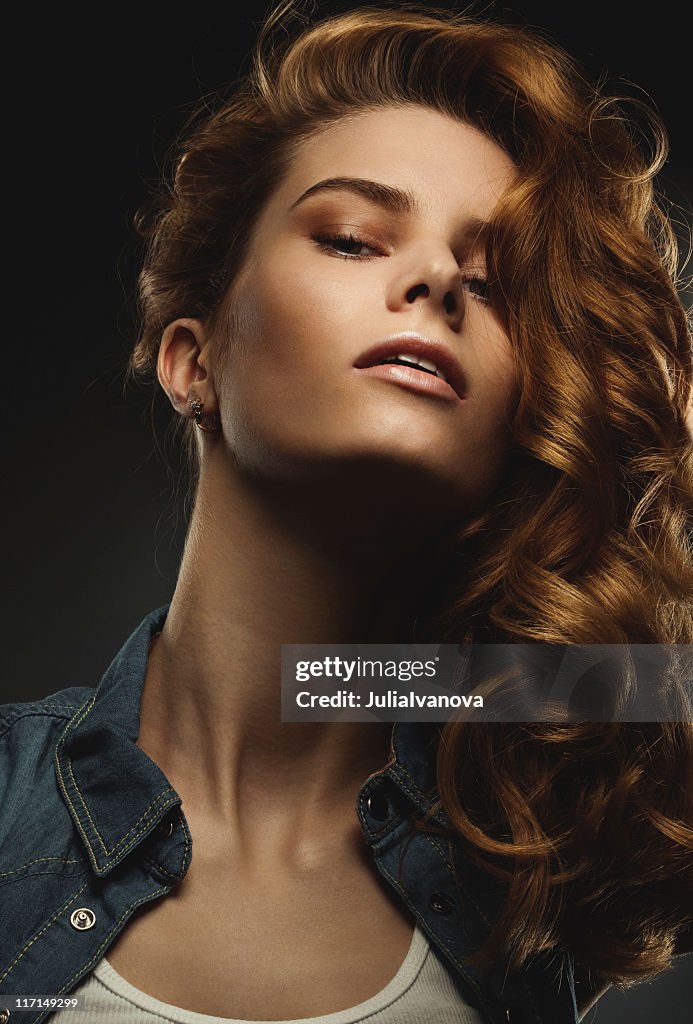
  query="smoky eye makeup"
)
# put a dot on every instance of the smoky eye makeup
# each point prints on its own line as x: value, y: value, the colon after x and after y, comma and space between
x: 362, y: 238
x: 350, y: 239
x: 329, y: 212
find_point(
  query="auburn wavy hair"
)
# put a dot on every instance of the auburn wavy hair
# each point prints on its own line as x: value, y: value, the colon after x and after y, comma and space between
x: 588, y: 538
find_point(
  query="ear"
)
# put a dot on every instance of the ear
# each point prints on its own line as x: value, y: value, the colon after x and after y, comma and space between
x: 182, y: 366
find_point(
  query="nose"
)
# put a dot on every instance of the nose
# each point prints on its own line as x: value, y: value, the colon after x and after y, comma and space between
x: 434, y: 280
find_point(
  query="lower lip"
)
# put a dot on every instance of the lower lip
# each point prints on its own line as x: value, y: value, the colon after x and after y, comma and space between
x: 414, y: 380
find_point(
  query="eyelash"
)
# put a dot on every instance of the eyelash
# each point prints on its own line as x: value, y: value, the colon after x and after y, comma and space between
x: 325, y: 243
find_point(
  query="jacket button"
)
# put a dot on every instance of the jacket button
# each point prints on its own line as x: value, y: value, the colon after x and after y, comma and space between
x: 377, y: 806
x: 516, y: 1015
x: 165, y: 828
x: 4, y: 1015
x: 82, y: 919
x: 441, y: 903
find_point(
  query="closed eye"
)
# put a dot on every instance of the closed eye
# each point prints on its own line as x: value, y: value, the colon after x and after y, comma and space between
x: 478, y: 287
x: 345, y: 246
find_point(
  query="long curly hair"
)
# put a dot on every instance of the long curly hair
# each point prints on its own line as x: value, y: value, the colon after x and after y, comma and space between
x: 588, y: 538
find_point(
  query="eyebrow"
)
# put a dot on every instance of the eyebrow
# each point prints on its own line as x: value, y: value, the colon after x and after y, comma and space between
x: 396, y: 200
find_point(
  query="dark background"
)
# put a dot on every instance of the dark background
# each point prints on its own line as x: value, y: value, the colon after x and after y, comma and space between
x: 93, y: 506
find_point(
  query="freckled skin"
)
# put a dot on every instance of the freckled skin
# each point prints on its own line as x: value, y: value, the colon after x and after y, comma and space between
x: 290, y: 399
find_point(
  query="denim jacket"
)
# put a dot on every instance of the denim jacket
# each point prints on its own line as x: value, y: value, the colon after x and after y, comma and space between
x: 91, y: 829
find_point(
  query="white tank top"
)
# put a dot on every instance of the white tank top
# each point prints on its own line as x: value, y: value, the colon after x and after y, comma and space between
x: 422, y: 991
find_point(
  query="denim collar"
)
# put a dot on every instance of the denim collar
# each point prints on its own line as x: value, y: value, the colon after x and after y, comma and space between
x: 114, y: 791
x: 117, y: 796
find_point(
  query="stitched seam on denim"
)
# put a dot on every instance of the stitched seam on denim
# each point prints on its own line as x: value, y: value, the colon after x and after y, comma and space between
x: 83, y: 834
x: 86, y: 809
x: 39, y: 860
x: 138, y: 834
x: 72, y: 724
x: 415, y: 785
x: 86, y: 708
x: 75, y: 816
x: 414, y: 791
x: 163, y: 870
x: 411, y: 778
x: 104, y: 944
x: 13, y: 719
x: 459, y: 884
x: 186, y: 852
x: 33, y: 874
x: 413, y: 794
x: 481, y: 913
x: 474, y: 903
x: 422, y: 920
x: 45, y: 928
x: 432, y: 841
x: 135, y: 839
x: 417, y: 795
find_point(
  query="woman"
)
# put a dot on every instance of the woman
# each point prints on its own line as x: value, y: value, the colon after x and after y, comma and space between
x: 386, y: 186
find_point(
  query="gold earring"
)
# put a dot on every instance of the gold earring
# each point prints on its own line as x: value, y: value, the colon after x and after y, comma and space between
x: 197, y: 406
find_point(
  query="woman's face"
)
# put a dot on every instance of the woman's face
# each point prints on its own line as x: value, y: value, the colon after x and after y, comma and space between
x: 334, y: 269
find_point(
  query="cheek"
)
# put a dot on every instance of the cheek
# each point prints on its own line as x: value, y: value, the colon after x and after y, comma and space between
x: 243, y: 325
x: 496, y: 371
x: 507, y: 383
x: 277, y: 310
x: 262, y: 303
x: 268, y: 354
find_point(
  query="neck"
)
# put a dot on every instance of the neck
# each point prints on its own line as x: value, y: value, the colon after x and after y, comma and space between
x: 266, y: 564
